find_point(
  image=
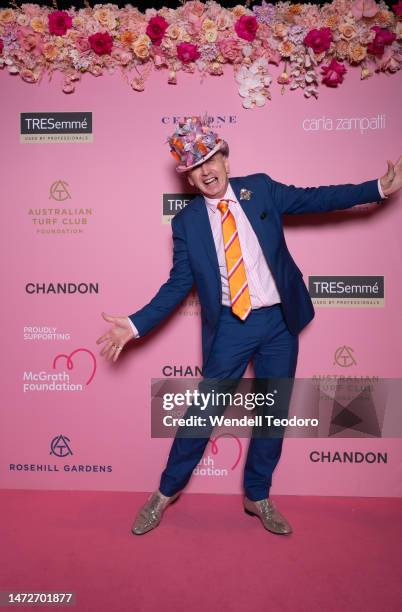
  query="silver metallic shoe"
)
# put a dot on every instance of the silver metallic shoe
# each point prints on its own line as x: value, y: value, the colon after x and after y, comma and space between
x: 270, y: 517
x: 150, y: 515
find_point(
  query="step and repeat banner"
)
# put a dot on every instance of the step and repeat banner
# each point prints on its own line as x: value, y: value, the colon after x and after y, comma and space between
x: 88, y: 191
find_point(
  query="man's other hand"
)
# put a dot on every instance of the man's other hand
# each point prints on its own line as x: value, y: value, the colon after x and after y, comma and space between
x: 116, y: 337
x: 392, y: 180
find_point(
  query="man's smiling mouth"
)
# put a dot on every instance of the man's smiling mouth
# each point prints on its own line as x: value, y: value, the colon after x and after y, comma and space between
x: 210, y: 180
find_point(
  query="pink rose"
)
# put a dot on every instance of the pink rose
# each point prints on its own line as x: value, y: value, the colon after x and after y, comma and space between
x: 333, y: 73
x: 1, y: 46
x: 319, y: 40
x: 382, y: 37
x: 101, y: 43
x: 186, y: 52
x: 230, y: 48
x: 192, y: 8
x: 82, y: 43
x: 246, y: 27
x: 29, y: 40
x: 156, y: 29
x: 59, y: 22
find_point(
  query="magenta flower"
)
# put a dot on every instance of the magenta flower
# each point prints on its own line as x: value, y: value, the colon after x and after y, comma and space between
x: 318, y: 40
x: 59, y: 22
x: 187, y: 52
x: 1, y: 46
x: 156, y: 29
x: 397, y: 8
x: 382, y: 37
x: 333, y: 73
x: 101, y: 43
x: 246, y: 27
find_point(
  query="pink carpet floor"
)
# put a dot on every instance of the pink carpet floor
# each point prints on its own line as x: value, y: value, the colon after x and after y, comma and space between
x: 207, y: 554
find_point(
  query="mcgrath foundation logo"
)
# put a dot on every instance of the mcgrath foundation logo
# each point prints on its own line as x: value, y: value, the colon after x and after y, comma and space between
x: 208, y: 465
x: 347, y: 291
x: 45, y: 128
x: 58, y: 379
x: 61, y: 219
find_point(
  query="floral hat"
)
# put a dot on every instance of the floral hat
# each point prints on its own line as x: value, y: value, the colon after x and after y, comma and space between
x: 194, y: 142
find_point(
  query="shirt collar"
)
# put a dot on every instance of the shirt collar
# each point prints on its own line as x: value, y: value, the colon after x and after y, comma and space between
x: 213, y: 202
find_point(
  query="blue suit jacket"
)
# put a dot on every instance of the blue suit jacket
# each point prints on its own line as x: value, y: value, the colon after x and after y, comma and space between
x: 195, y: 259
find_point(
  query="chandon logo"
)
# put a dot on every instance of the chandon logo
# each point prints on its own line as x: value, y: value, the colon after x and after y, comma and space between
x: 63, y: 288
x: 347, y: 457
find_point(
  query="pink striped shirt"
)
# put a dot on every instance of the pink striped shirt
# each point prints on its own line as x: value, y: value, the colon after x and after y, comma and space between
x: 261, y: 284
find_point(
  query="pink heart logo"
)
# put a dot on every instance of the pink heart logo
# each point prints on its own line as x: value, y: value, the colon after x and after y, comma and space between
x: 70, y: 363
x: 215, y: 449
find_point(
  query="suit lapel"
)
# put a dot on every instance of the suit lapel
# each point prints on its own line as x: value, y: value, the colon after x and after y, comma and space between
x: 204, y: 230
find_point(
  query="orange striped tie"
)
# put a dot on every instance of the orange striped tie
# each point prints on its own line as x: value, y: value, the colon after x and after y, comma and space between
x: 239, y: 292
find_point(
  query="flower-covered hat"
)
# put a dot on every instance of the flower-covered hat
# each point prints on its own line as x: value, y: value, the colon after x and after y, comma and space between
x: 194, y: 142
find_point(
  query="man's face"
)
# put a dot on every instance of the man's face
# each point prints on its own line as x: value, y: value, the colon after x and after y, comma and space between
x: 215, y: 168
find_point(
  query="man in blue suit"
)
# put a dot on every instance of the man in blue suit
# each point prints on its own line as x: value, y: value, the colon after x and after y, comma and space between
x: 274, y: 302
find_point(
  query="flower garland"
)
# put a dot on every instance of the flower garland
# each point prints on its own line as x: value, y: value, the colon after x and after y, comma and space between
x: 312, y: 44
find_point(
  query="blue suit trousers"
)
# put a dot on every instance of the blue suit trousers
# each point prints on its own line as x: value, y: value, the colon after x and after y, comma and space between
x: 264, y: 339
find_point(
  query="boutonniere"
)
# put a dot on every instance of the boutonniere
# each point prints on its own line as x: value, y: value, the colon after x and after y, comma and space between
x: 245, y: 194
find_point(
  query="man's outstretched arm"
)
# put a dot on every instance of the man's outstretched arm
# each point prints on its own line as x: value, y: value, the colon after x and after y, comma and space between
x: 295, y: 200
x: 180, y: 281
x: 171, y: 293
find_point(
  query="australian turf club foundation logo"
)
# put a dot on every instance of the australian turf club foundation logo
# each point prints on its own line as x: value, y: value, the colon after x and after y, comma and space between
x: 61, y: 217
x: 352, y: 405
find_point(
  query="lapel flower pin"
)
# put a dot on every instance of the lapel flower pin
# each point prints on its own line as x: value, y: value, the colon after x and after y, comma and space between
x: 245, y: 194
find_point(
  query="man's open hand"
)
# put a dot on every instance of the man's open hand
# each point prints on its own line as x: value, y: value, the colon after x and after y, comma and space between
x: 392, y: 180
x: 118, y: 335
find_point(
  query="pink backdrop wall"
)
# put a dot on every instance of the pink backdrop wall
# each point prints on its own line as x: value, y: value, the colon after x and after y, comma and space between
x: 126, y: 248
